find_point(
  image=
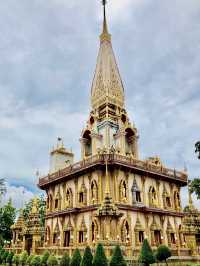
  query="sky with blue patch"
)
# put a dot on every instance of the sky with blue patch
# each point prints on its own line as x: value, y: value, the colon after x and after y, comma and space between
x: 48, y: 53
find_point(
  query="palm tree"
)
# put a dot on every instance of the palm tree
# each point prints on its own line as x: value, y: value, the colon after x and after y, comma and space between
x: 2, y: 187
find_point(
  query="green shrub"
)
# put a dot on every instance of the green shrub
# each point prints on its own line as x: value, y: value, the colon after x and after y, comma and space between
x: 23, y: 258
x: 28, y: 262
x: 1, y: 255
x: 117, y: 258
x: 36, y: 261
x: 52, y: 261
x: 9, y: 258
x: 100, y: 257
x: 44, y: 258
x: 76, y: 259
x: 16, y: 260
x: 163, y: 253
x: 87, y: 257
x: 65, y: 260
x: 146, y: 254
x: 5, y: 255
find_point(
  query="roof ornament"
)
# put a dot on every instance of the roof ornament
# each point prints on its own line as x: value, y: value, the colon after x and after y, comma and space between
x: 105, y: 36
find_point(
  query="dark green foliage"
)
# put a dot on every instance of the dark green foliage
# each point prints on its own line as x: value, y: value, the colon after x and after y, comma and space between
x: 146, y: 254
x: 1, y: 255
x: 87, y: 257
x: 16, y: 260
x: 65, y: 260
x: 44, y: 258
x: 163, y: 253
x: 28, y: 262
x: 76, y: 259
x: 100, y: 257
x: 7, y: 218
x: 5, y: 255
x: 197, y: 149
x: 9, y: 258
x: 36, y: 261
x: 23, y: 258
x: 195, y: 187
x: 52, y: 261
x: 117, y: 258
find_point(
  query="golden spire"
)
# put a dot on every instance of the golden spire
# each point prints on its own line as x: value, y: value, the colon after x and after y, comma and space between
x: 107, y: 87
x: 105, y: 36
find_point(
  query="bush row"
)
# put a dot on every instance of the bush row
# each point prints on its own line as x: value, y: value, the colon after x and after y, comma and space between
x: 50, y: 260
x: 146, y: 257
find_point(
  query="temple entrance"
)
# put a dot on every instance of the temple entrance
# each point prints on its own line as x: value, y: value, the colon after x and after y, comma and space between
x: 67, y: 239
x: 28, y: 243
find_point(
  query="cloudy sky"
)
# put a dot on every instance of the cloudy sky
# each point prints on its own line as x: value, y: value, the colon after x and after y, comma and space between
x: 48, y: 52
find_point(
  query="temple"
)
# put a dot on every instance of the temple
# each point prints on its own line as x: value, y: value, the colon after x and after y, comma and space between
x: 111, y: 196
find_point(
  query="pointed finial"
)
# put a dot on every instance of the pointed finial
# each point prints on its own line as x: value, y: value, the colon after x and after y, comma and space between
x: 105, y: 36
x: 190, y: 201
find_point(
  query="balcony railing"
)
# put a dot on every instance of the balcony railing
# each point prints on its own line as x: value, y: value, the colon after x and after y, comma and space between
x: 113, y: 159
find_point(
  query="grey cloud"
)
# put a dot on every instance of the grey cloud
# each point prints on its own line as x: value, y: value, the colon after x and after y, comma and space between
x: 48, y: 53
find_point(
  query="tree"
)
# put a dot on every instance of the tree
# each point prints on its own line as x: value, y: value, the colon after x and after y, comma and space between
x: 36, y: 261
x: 65, y: 260
x: 163, y: 253
x: 2, y: 187
x: 76, y: 259
x: 100, y: 257
x: 44, y: 258
x: 23, y: 258
x: 1, y: 255
x: 16, y: 260
x: 117, y: 258
x: 9, y: 259
x: 197, y: 149
x: 52, y: 261
x: 5, y: 255
x: 146, y: 254
x: 87, y: 257
x: 7, y: 218
x: 195, y: 187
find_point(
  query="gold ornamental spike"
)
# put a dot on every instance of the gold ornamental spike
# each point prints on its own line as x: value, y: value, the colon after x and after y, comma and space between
x: 105, y: 36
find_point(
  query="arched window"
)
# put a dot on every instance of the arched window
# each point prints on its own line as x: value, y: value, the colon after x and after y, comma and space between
x: 69, y: 198
x: 129, y: 141
x: 87, y: 143
x: 50, y: 202
x: 94, y: 192
x: 125, y: 232
x: 82, y: 196
x: 56, y: 235
x: 123, y: 191
x: 177, y: 203
x: 168, y: 202
x: 47, y: 235
x: 94, y: 231
x: 136, y: 195
x: 152, y: 197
